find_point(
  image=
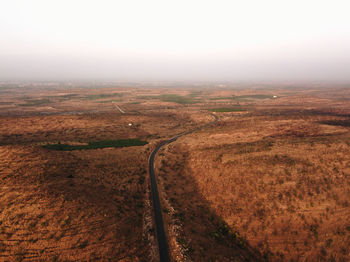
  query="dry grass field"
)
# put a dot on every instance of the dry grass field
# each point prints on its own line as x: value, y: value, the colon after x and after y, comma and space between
x: 276, y: 174
x: 269, y: 181
x: 82, y: 204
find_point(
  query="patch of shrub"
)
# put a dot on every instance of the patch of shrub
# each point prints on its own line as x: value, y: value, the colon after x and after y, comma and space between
x: 100, y: 96
x: 36, y: 102
x: 96, y: 145
x: 345, y: 123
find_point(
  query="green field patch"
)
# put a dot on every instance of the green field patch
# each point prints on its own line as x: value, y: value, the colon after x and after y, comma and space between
x: 36, y: 102
x: 223, y: 98
x: 98, y: 144
x: 147, y: 97
x: 243, y: 98
x: 195, y: 94
x: 258, y: 96
x: 62, y: 97
x: 172, y: 98
x: 227, y: 109
x: 6, y: 88
x: 101, y: 96
x: 178, y: 99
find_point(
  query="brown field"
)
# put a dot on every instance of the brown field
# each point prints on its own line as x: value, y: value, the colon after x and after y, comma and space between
x: 270, y: 180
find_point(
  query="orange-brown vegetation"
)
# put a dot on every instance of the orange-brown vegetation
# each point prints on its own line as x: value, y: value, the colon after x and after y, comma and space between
x: 278, y: 177
x: 78, y: 205
x: 72, y: 205
x: 270, y: 180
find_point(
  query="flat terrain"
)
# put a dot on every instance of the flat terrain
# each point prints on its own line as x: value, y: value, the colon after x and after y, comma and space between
x: 269, y: 181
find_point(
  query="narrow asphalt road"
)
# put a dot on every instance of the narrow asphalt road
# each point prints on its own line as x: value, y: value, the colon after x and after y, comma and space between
x: 162, y: 241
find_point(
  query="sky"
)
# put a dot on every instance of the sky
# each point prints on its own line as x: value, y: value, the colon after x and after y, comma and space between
x: 159, y: 40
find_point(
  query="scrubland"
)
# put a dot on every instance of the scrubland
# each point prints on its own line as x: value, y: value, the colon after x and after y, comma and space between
x: 276, y: 177
x: 269, y: 181
x: 82, y: 204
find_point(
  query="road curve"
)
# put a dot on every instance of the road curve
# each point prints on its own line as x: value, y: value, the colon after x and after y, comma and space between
x: 162, y: 241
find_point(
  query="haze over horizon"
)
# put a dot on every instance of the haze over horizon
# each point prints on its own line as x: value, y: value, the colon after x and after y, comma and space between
x: 175, y: 40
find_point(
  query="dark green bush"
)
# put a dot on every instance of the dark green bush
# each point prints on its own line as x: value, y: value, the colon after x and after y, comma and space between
x: 96, y: 145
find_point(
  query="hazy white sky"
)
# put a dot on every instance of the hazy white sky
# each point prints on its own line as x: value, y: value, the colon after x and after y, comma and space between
x: 175, y: 40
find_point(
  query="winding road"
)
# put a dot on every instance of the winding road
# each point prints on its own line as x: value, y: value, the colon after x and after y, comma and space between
x: 162, y: 241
